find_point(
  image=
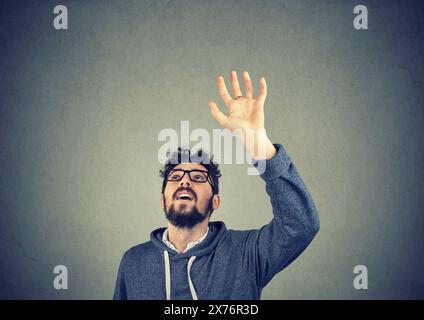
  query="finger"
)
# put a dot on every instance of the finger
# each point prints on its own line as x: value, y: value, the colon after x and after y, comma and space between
x: 262, y: 90
x: 223, y: 92
x: 235, y: 84
x: 221, y: 118
x: 248, y: 84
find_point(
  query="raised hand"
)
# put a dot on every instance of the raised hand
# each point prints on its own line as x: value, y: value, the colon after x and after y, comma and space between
x: 245, y: 114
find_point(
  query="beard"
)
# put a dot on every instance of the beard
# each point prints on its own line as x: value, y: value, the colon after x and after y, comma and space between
x: 181, y: 218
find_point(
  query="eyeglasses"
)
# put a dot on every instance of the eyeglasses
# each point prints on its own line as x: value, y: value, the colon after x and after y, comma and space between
x: 195, y: 175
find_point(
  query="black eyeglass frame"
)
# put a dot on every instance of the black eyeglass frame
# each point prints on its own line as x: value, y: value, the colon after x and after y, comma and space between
x: 208, y: 176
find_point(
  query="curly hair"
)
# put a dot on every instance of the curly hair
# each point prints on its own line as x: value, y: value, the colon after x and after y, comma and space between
x: 200, y: 156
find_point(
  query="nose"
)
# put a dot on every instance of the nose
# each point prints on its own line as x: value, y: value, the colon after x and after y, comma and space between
x: 185, y: 180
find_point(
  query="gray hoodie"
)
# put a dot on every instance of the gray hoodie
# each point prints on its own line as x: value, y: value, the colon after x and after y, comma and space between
x: 227, y: 264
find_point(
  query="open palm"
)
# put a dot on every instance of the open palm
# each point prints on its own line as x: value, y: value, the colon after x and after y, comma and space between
x: 244, y: 112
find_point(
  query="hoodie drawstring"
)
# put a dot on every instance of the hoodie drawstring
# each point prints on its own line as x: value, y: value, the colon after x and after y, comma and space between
x: 192, y: 290
x: 168, y: 276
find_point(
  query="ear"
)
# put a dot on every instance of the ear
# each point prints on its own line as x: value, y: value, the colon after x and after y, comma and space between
x: 162, y: 203
x: 216, y: 201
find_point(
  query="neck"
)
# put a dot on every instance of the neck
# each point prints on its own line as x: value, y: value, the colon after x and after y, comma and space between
x: 180, y: 237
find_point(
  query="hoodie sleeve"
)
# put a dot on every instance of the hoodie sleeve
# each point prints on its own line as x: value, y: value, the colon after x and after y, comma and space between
x: 120, y: 287
x: 295, y: 220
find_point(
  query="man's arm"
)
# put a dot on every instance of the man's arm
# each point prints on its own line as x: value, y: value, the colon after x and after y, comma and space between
x: 120, y: 286
x: 295, y: 221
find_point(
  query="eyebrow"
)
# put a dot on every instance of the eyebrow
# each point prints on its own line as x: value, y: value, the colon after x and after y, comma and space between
x: 190, y: 168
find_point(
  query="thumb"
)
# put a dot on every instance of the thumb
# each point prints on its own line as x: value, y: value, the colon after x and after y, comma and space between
x: 221, y: 118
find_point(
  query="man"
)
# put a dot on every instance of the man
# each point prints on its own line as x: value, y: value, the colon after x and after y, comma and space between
x: 196, y: 259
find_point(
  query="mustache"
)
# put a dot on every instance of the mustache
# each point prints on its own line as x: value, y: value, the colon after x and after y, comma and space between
x: 189, y: 190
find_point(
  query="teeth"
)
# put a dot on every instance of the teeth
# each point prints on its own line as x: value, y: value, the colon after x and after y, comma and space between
x: 184, y: 195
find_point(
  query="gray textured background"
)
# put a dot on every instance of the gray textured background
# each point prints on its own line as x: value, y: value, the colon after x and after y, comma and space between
x: 81, y: 111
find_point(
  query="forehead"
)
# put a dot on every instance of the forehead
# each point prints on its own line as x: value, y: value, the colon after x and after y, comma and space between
x: 190, y: 166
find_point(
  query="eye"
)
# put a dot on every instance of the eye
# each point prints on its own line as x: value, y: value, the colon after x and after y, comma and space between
x: 199, y: 176
x: 175, y: 176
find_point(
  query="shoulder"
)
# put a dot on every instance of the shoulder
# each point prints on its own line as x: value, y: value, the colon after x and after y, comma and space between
x: 139, y: 251
x: 239, y: 236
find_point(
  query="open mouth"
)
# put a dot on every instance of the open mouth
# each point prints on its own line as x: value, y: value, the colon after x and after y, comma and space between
x: 185, y: 196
